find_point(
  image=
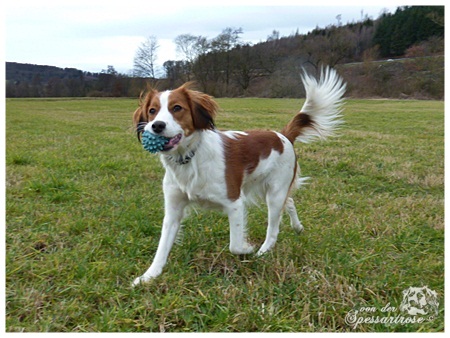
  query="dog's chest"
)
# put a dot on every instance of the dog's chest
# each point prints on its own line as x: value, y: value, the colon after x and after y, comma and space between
x: 202, y: 181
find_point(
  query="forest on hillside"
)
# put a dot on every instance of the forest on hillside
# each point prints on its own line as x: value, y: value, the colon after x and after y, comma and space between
x: 398, y: 55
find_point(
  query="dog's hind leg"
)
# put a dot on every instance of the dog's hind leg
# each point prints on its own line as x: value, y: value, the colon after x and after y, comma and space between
x: 292, y: 212
x: 275, y: 204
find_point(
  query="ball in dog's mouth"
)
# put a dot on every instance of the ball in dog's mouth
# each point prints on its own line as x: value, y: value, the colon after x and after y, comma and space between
x: 155, y: 143
x: 152, y: 142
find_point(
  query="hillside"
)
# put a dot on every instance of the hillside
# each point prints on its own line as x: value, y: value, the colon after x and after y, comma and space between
x: 22, y: 72
x: 271, y: 68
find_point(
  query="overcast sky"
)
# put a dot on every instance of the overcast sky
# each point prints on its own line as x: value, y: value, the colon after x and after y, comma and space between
x: 92, y: 34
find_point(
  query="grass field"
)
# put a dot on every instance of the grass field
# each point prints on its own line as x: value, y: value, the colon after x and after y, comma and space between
x: 84, y: 212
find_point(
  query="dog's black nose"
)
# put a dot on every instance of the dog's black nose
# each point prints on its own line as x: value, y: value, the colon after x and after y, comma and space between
x: 158, y: 126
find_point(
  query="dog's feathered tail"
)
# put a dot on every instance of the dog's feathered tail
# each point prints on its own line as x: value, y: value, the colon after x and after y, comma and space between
x: 320, y: 114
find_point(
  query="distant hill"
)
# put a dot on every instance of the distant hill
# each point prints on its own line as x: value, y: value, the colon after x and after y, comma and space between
x: 29, y: 80
x: 29, y: 73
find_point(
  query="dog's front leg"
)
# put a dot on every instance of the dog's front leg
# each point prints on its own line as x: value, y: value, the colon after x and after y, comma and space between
x: 238, y: 228
x: 175, y: 203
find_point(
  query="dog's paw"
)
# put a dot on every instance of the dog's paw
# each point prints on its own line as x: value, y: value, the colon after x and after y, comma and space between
x: 141, y: 280
x: 298, y: 227
x: 153, y: 272
x: 260, y: 253
x: 137, y: 282
x: 266, y: 247
x: 245, y: 249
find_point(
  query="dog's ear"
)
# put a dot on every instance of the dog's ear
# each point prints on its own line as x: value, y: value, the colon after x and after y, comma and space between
x: 140, y: 116
x: 139, y: 122
x: 203, y: 108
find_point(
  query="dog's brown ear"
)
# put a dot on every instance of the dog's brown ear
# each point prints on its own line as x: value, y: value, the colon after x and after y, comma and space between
x: 203, y: 108
x: 140, y: 116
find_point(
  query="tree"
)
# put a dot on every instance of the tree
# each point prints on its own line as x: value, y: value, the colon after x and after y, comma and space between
x: 409, y: 25
x: 145, y: 58
x: 274, y: 36
x: 191, y: 47
x: 223, y: 44
x: 109, y: 70
x: 245, y: 66
x: 227, y: 40
x: 330, y: 46
x: 176, y: 71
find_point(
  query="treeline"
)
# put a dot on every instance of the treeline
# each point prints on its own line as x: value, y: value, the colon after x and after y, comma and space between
x: 224, y: 66
x: 25, y: 80
x: 397, y: 32
x: 227, y: 66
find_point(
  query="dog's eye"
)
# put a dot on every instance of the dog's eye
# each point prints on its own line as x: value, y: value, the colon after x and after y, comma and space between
x: 152, y: 111
x: 176, y: 108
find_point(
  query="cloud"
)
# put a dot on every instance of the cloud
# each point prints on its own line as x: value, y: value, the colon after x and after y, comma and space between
x: 90, y: 35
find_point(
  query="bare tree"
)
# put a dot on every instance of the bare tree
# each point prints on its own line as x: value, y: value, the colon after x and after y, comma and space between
x: 245, y: 66
x: 330, y: 46
x: 191, y: 47
x: 227, y: 40
x: 145, y: 58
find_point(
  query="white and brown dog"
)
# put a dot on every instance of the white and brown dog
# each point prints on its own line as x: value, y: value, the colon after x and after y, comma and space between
x: 228, y: 169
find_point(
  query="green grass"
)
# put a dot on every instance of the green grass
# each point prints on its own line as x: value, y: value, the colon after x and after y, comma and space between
x: 84, y: 211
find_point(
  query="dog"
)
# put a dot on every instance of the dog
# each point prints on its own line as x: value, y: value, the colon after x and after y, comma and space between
x: 228, y: 169
x: 420, y: 301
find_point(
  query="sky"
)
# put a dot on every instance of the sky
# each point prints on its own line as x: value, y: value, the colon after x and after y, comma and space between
x: 91, y: 34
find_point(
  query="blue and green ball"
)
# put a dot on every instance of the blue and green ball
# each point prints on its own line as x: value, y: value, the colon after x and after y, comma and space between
x: 152, y: 142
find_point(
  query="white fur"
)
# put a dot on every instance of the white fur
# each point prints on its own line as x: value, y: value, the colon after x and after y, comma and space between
x: 201, y: 181
x: 323, y: 103
x: 164, y: 115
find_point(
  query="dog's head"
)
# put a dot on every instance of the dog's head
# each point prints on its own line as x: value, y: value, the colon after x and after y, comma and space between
x: 419, y: 300
x: 175, y: 114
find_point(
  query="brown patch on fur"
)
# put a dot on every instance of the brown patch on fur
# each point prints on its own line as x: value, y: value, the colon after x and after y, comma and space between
x: 199, y: 109
x: 294, y: 128
x: 142, y: 115
x: 242, y: 156
x: 179, y: 98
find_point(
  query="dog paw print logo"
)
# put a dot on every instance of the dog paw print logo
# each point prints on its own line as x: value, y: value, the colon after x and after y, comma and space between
x: 420, y: 302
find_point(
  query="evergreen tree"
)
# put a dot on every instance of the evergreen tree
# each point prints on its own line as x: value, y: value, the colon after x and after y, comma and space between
x: 409, y: 25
